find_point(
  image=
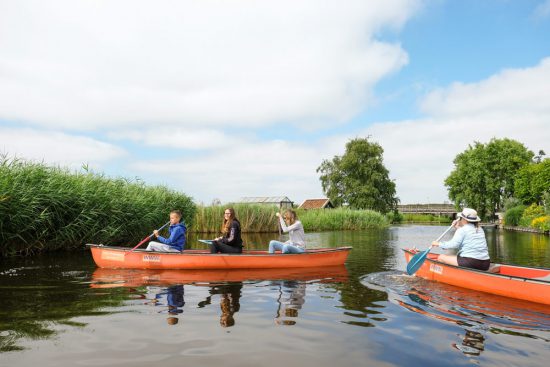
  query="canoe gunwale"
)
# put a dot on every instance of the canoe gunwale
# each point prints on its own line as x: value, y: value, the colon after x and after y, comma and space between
x: 263, y: 253
x: 498, y: 275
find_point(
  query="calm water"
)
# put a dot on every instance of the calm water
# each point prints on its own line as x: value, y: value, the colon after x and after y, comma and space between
x: 60, y: 310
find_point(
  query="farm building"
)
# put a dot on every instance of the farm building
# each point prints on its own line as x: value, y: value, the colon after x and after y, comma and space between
x: 282, y: 202
x: 316, y: 204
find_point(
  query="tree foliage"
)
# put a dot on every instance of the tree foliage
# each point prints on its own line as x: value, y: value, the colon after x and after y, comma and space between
x: 484, y: 174
x: 359, y: 178
x: 533, y: 181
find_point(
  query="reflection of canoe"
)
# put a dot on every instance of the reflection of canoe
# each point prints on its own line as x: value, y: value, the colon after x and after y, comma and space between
x: 530, y: 284
x: 110, y: 278
x: 121, y: 257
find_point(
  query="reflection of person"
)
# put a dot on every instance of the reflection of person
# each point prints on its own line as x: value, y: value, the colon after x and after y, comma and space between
x: 470, y: 240
x: 230, y: 241
x: 174, y: 302
x: 472, y: 344
x: 297, y: 242
x: 230, y: 295
x: 176, y: 241
x: 290, y: 304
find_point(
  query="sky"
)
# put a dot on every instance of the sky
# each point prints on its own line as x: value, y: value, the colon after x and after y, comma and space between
x: 222, y: 99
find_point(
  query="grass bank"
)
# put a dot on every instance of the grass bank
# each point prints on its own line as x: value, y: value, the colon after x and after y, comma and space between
x: 424, y: 218
x: 261, y: 218
x: 46, y: 208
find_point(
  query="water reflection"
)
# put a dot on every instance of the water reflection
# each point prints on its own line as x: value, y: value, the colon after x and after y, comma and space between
x: 230, y: 295
x: 291, y: 298
x: 477, y: 312
x: 171, y: 299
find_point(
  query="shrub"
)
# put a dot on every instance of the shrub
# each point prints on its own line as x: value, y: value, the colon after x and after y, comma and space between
x: 512, y: 216
x: 542, y: 223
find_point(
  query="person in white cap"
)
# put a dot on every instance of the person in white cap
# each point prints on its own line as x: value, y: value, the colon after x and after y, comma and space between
x: 470, y: 241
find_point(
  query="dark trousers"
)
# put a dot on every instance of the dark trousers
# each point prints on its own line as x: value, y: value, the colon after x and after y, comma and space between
x: 216, y: 247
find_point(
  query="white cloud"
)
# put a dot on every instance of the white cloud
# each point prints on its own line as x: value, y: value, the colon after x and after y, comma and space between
x: 177, y: 138
x: 542, y: 10
x: 57, y: 148
x: 511, y: 104
x: 91, y: 64
x: 253, y: 169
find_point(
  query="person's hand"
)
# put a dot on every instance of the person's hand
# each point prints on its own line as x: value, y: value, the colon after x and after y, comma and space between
x: 156, y: 233
x: 435, y: 243
x: 277, y: 214
x: 455, y: 223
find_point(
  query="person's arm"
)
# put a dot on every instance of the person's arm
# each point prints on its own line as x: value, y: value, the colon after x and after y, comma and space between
x: 232, y: 234
x: 286, y: 228
x: 175, y: 233
x: 455, y: 242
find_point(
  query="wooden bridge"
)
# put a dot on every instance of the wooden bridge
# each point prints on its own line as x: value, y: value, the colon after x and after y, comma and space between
x: 436, y: 209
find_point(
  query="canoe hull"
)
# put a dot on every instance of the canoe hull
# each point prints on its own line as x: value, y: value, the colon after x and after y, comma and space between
x: 511, y: 281
x: 122, y: 258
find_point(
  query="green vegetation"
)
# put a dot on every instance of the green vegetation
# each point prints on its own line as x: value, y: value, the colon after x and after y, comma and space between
x: 261, y: 218
x: 46, y: 208
x: 424, y: 218
x: 359, y: 178
x: 341, y: 219
x: 253, y: 218
x: 484, y: 174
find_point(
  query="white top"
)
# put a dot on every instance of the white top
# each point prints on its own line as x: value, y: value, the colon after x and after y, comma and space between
x: 470, y: 242
x: 295, y: 232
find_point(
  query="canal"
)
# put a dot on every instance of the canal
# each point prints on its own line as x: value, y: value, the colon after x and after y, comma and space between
x: 60, y: 310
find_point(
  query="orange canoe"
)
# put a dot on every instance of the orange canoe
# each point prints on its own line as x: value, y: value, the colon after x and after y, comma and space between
x: 529, y: 284
x: 121, y: 257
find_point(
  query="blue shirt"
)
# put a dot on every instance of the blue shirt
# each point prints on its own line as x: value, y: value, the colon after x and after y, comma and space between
x: 177, y: 236
x: 470, y: 242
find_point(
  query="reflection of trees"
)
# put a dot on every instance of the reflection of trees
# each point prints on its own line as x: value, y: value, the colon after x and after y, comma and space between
x: 291, y: 298
x: 36, y: 295
x: 230, y: 294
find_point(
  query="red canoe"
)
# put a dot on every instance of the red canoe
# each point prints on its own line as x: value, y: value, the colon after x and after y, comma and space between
x: 529, y: 284
x: 121, y: 257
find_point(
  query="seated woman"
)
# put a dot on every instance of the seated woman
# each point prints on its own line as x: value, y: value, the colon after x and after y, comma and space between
x: 230, y: 242
x: 470, y: 240
x: 297, y: 242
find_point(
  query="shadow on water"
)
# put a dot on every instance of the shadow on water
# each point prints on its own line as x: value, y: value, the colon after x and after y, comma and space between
x: 478, y: 313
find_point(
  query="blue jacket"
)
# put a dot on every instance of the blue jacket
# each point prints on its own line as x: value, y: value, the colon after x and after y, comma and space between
x: 177, y: 237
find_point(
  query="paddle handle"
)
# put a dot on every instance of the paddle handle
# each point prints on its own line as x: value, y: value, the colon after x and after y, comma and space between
x: 444, y: 233
x: 148, y: 237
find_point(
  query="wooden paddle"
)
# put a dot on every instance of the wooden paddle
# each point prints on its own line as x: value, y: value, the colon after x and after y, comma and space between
x: 147, y: 238
x: 418, y: 259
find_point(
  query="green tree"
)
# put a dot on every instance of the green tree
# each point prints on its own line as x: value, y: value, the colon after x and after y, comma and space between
x: 359, y: 178
x: 484, y: 174
x: 533, y: 181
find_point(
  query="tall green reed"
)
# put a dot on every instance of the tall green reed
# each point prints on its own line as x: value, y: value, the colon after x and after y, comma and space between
x: 46, y: 208
x: 261, y: 218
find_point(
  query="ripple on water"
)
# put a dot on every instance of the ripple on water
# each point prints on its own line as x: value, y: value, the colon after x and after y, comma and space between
x: 476, y: 311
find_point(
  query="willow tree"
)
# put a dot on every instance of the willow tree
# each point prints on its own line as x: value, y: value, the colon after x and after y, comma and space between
x: 359, y: 178
x: 484, y: 174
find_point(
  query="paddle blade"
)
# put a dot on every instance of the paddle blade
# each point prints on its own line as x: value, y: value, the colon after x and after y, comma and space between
x: 206, y: 241
x: 417, y: 261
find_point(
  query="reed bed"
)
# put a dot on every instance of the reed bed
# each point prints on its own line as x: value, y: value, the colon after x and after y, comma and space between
x: 254, y: 218
x: 341, y: 219
x: 261, y: 218
x: 45, y: 208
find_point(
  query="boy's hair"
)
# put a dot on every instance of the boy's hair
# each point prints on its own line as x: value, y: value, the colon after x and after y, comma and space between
x: 177, y: 212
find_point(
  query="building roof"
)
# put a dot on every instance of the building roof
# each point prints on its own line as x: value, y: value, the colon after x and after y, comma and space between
x: 266, y: 199
x: 316, y: 204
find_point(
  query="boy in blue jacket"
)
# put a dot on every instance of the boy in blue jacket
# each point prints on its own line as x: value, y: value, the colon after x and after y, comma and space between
x: 176, y: 241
